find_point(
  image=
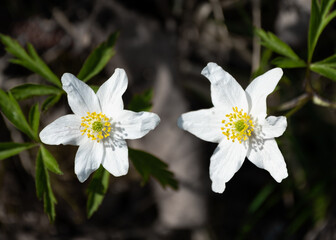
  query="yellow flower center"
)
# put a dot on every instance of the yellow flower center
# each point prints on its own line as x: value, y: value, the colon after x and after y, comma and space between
x: 95, y: 126
x: 238, y: 125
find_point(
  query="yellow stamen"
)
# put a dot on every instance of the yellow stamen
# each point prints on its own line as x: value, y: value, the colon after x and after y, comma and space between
x: 238, y: 125
x: 95, y: 126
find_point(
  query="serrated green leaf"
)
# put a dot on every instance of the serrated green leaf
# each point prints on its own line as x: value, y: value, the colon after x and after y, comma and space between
x: 40, y: 176
x: 49, y: 161
x: 43, y: 187
x: 9, y: 149
x: 324, y: 70
x: 148, y: 165
x: 319, y: 19
x: 13, y: 112
x: 50, y: 101
x: 98, y: 59
x: 141, y: 102
x: 34, y: 118
x: 284, y: 62
x: 30, y: 90
x: 97, y: 190
x: 269, y: 40
x: 29, y: 60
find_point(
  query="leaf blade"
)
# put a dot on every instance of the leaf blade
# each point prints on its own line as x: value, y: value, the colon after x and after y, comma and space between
x: 28, y: 90
x: 34, y: 118
x: 271, y: 41
x: 284, y: 62
x: 9, y: 149
x: 97, y: 60
x: 97, y: 190
x: 141, y: 102
x: 148, y: 165
x: 30, y: 61
x: 50, y: 162
x: 324, y: 70
x: 14, y: 114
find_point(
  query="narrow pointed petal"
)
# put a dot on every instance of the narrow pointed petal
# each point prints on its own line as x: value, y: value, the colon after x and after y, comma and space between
x: 273, y: 127
x: 134, y: 125
x: 226, y: 92
x: 110, y: 93
x: 88, y: 159
x: 64, y: 130
x: 269, y: 158
x: 225, y: 162
x: 258, y: 90
x: 116, y: 158
x: 205, y: 124
x: 81, y: 97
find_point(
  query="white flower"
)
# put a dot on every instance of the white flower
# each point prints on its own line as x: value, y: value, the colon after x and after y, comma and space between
x: 238, y: 123
x: 99, y: 125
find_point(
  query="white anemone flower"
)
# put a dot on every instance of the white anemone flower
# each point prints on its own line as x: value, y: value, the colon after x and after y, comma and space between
x: 99, y: 125
x: 238, y: 123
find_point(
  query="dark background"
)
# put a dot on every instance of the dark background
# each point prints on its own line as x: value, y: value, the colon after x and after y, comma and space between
x: 180, y: 37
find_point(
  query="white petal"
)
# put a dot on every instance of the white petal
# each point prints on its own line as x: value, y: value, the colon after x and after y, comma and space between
x: 269, y: 158
x: 226, y: 92
x: 225, y: 162
x: 88, y: 159
x: 258, y: 90
x: 116, y: 158
x: 64, y: 130
x: 273, y: 126
x: 81, y: 97
x: 110, y: 93
x: 205, y: 124
x: 134, y: 125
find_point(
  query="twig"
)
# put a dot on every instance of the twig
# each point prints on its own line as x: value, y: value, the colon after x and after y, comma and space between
x: 256, y: 45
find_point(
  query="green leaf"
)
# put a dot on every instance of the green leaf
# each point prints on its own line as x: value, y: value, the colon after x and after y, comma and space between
x: 330, y: 61
x: 141, y: 102
x: 319, y: 19
x: 98, y: 58
x: 284, y: 62
x: 97, y: 190
x: 30, y: 90
x: 43, y: 187
x: 9, y: 149
x: 148, y: 165
x: 13, y: 112
x: 49, y: 161
x: 34, y: 118
x: 29, y: 60
x: 324, y: 70
x: 50, y: 101
x: 269, y: 40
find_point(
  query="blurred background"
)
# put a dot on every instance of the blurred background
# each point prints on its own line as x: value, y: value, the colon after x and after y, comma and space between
x: 164, y: 45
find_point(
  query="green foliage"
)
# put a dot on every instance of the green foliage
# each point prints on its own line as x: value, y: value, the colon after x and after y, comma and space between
x: 284, y: 62
x: 43, y: 187
x: 319, y: 19
x: 97, y: 190
x: 49, y: 161
x: 98, y: 58
x: 324, y: 70
x: 50, y: 101
x: 148, y: 165
x: 29, y: 59
x: 13, y: 112
x: 326, y: 67
x: 141, y: 102
x: 9, y: 149
x: 270, y: 41
x: 30, y: 90
x: 34, y: 118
